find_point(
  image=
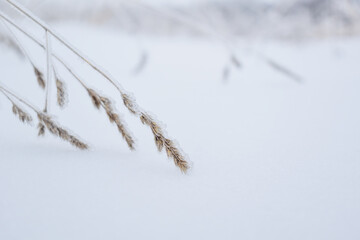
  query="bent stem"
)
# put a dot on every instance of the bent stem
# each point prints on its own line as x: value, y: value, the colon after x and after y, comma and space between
x: 45, y: 121
x: 48, y: 69
x: 68, y: 45
x: 8, y: 93
x: 129, y: 102
x: 22, y: 48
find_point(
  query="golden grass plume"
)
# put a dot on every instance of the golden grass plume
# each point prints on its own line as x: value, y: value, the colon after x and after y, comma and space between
x: 107, y: 105
x: 21, y: 114
x: 129, y: 103
x: 162, y: 142
x: 47, y: 122
x: 40, y: 77
x: 61, y: 93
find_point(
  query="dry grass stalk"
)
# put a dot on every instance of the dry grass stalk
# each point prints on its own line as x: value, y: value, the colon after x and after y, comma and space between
x: 48, y: 69
x: 115, y: 118
x: 45, y: 121
x: 38, y: 73
x: 40, y: 77
x: 60, y: 88
x: 95, y: 98
x: 21, y: 114
x: 55, y: 129
x: 99, y: 101
x: 61, y: 93
x: 106, y: 104
x: 162, y: 142
x: 41, y: 128
x: 129, y: 103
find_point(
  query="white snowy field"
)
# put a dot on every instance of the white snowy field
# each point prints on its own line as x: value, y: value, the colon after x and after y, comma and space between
x: 271, y: 158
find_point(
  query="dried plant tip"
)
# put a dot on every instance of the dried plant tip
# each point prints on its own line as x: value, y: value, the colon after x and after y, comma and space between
x: 41, y: 128
x: 56, y: 130
x: 125, y: 133
x: 175, y: 154
x: 159, y: 143
x: 61, y: 93
x: 77, y: 143
x: 21, y: 114
x: 115, y: 118
x: 147, y: 120
x: 112, y: 116
x: 95, y: 98
x: 106, y: 103
x: 129, y: 103
x: 100, y: 101
x: 40, y: 78
x: 48, y: 123
x: 171, y: 150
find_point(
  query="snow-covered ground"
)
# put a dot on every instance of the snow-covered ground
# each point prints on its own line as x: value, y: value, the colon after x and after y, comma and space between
x: 272, y: 158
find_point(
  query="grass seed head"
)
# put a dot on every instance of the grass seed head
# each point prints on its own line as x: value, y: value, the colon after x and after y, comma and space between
x: 40, y: 78
x: 55, y: 129
x: 21, y: 114
x: 61, y: 93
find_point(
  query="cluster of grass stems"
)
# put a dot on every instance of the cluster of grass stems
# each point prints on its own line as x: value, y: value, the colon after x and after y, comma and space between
x: 46, y: 122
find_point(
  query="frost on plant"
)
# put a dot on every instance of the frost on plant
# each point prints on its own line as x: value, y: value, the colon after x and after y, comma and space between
x: 46, y: 123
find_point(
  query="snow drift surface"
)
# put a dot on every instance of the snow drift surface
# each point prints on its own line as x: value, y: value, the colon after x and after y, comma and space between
x: 272, y: 158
